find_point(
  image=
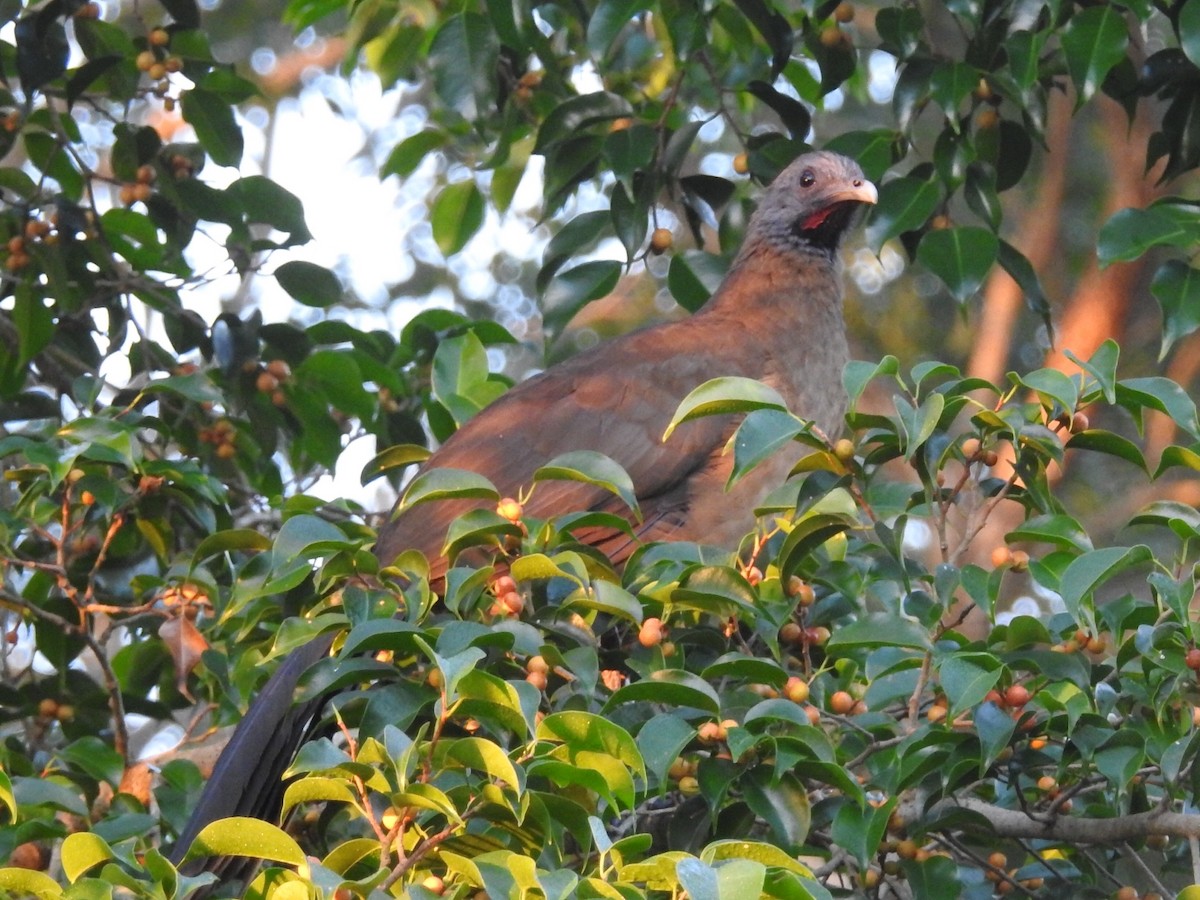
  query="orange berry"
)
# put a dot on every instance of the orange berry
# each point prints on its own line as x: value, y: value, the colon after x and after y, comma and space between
x: 47, y: 708
x: 1097, y: 644
x: 971, y: 447
x: 513, y: 602
x: 29, y: 856
x: 791, y: 633
x: 989, y: 458
x: 814, y: 715
x: 537, y: 679
x: 1001, y: 557
x: 832, y: 36
x: 741, y: 164
x: 266, y: 382
x: 1017, y: 696
x: 1020, y: 561
x: 621, y: 123
x: 661, y: 240
x: 226, y: 451
x: 87, y: 498
x: 279, y: 369
x: 754, y: 575
x: 145, y: 60
x: 818, y: 635
x: 840, y: 702
x: 907, y: 848
x: 537, y: 664
x: 651, y: 632
x: 796, y: 689
x: 679, y: 768
x: 1047, y: 783
x: 844, y: 12
x: 710, y: 733
x: 158, y: 37
x: 511, y: 509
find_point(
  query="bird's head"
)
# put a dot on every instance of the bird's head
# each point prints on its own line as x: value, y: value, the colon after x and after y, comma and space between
x: 811, y: 202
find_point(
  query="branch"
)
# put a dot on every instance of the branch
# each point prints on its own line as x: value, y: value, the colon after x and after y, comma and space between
x: 1012, y: 823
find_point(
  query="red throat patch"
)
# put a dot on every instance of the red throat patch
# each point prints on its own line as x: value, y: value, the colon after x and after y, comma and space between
x: 817, y: 219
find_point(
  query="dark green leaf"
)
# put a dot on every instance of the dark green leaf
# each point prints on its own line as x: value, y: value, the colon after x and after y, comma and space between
x: 309, y: 283
x: 961, y: 257
x: 215, y: 125
x: 1093, y: 41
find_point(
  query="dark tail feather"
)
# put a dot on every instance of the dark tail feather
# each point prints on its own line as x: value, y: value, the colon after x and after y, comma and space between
x: 248, y: 777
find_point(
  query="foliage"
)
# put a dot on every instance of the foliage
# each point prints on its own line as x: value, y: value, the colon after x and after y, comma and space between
x: 810, y: 723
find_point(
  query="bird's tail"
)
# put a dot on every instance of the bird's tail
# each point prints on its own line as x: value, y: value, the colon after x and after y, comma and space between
x: 248, y: 777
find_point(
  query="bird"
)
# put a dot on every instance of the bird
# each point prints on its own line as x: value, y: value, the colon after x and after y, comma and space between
x: 776, y: 317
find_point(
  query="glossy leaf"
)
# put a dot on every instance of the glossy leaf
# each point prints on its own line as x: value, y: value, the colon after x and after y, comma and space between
x: 961, y: 257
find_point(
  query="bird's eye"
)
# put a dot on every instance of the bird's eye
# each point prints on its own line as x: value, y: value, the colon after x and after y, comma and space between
x: 807, y: 178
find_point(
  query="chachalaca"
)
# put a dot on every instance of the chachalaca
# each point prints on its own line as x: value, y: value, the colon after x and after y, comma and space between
x: 776, y: 317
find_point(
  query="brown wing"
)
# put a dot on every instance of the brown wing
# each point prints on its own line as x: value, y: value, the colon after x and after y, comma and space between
x: 612, y: 400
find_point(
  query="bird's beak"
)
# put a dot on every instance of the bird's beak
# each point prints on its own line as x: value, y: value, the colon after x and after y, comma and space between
x: 857, y: 192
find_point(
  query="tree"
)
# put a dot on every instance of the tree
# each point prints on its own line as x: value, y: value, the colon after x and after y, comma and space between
x: 812, y: 721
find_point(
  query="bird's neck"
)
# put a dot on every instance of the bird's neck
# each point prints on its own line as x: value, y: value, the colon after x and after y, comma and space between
x: 782, y: 281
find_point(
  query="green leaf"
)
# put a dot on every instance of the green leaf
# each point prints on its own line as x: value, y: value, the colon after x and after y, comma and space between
x: 693, y: 276
x: 20, y: 882
x: 1093, y: 41
x: 411, y: 152
x: 716, y: 589
x: 396, y: 457
x: 1161, y: 394
x: 1100, y: 441
x: 661, y: 740
x: 995, y: 729
x: 309, y: 283
x: 1176, y: 287
x: 881, y: 630
x: 918, y: 423
x: 569, y: 291
x: 244, y: 836
x: 446, y: 484
x: 1120, y: 758
x: 1130, y: 232
x: 858, y: 829
x: 807, y: 535
x: 231, y: 540
x: 905, y: 204
x: 1101, y: 365
x: 719, y: 396
x: 456, y: 215
x: 859, y: 373
x: 463, y: 56
x: 1188, y: 25
x: 307, y: 536
x: 591, y: 467
x: 669, y: 686
x: 783, y: 804
x: 215, y: 125
x: 607, y: 22
x: 580, y: 731
x: 961, y: 257
x: 966, y: 678
x: 316, y: 789
x: 759, y: 436
x: 481, y: 755
x: 1060, y: 530
x: 1089, y: 572
x: 269, y: 203
x: 83, y: 851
